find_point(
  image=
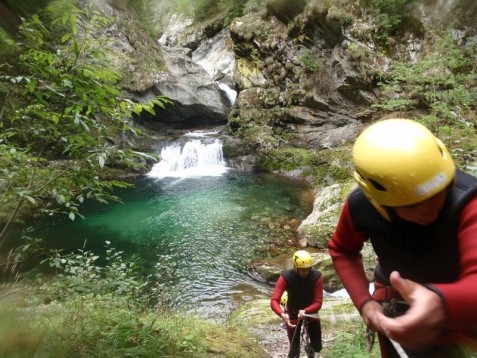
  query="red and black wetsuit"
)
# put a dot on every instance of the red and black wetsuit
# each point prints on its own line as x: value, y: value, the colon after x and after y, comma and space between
x: 442, y: 255
x: 303, y: 293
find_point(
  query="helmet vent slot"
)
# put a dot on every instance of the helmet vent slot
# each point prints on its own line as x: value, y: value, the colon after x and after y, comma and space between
x: 360, y: 175
x: 440, y: 150
x: 377, y: 186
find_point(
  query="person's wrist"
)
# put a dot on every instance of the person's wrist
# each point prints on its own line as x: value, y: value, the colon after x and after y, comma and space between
x: 367, y: 303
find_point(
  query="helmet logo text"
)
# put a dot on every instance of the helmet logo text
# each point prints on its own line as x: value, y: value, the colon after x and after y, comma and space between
x: 433, y: 183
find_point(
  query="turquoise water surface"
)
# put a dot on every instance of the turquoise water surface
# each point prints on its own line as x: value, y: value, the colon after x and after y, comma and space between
x: 197, y: 235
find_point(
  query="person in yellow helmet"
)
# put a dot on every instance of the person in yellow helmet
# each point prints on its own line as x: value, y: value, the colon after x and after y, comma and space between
x: 304, y: 287
x: 420, y: 214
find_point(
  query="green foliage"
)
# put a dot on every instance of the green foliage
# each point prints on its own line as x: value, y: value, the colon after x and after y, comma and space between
x: 263, y: 135
x: 356, y: 52
x: 7, y: 44
x: 80, y: 273
x: 285, y: 10
x: 339, y: 15
x: 311, y: 62
x: 325, y: 167
x: 63, y: 114
x: 204, y: 10
x: 350, y: 337
x: 289, y: 159
x: 389, y: 15
x: 26, y: 7
x: 32, y: 247
x: 259, y: 128
x: 439, y: 83
x: 147, y: 12
x: 18, y: 336
x: 198, y: 9
x: 350, y: 344
x: 93, y: 310
x: 234, y: 8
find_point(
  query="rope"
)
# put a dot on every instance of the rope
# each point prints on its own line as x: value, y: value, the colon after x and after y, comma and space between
x: 297, y: 329
x: 398, y: 349
x: 306, y: 338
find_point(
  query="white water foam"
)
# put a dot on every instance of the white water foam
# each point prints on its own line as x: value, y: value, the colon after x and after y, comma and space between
x: 196, y: 158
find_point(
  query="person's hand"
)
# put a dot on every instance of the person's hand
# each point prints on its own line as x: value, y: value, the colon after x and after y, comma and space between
x: 301, y: 314
x: 423, y: 322
x: 286, y: 320
x: 372, y: 313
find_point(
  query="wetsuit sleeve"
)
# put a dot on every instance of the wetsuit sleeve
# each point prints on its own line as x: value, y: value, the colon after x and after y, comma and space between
x: 345, y: 250
x: 460, y: 297
x: 317, y: 297
x: 280, y: 287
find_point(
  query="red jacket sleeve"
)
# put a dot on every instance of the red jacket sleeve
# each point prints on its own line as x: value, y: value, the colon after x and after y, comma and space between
x: 317, y: 297
x: 280, y: 287
x: 345, y: 250
x: 460, y: 297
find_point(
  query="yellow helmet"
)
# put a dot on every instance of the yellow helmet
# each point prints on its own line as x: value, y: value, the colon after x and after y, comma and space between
x: 399, y: 162
x: 302, y: 259
x: 284, y: 298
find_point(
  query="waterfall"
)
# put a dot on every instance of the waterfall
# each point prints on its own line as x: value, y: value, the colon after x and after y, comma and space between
x: 231, y: 94
x: 196, y: 157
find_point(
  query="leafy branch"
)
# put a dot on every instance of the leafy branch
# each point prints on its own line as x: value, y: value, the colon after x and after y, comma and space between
x: 64, y: 117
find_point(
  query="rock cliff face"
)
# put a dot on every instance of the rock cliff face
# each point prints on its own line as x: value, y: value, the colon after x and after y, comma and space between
x: 197, y: 98
x: 304, y: 75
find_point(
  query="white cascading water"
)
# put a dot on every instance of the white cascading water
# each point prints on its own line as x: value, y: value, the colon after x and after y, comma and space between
x: 196, y: 158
